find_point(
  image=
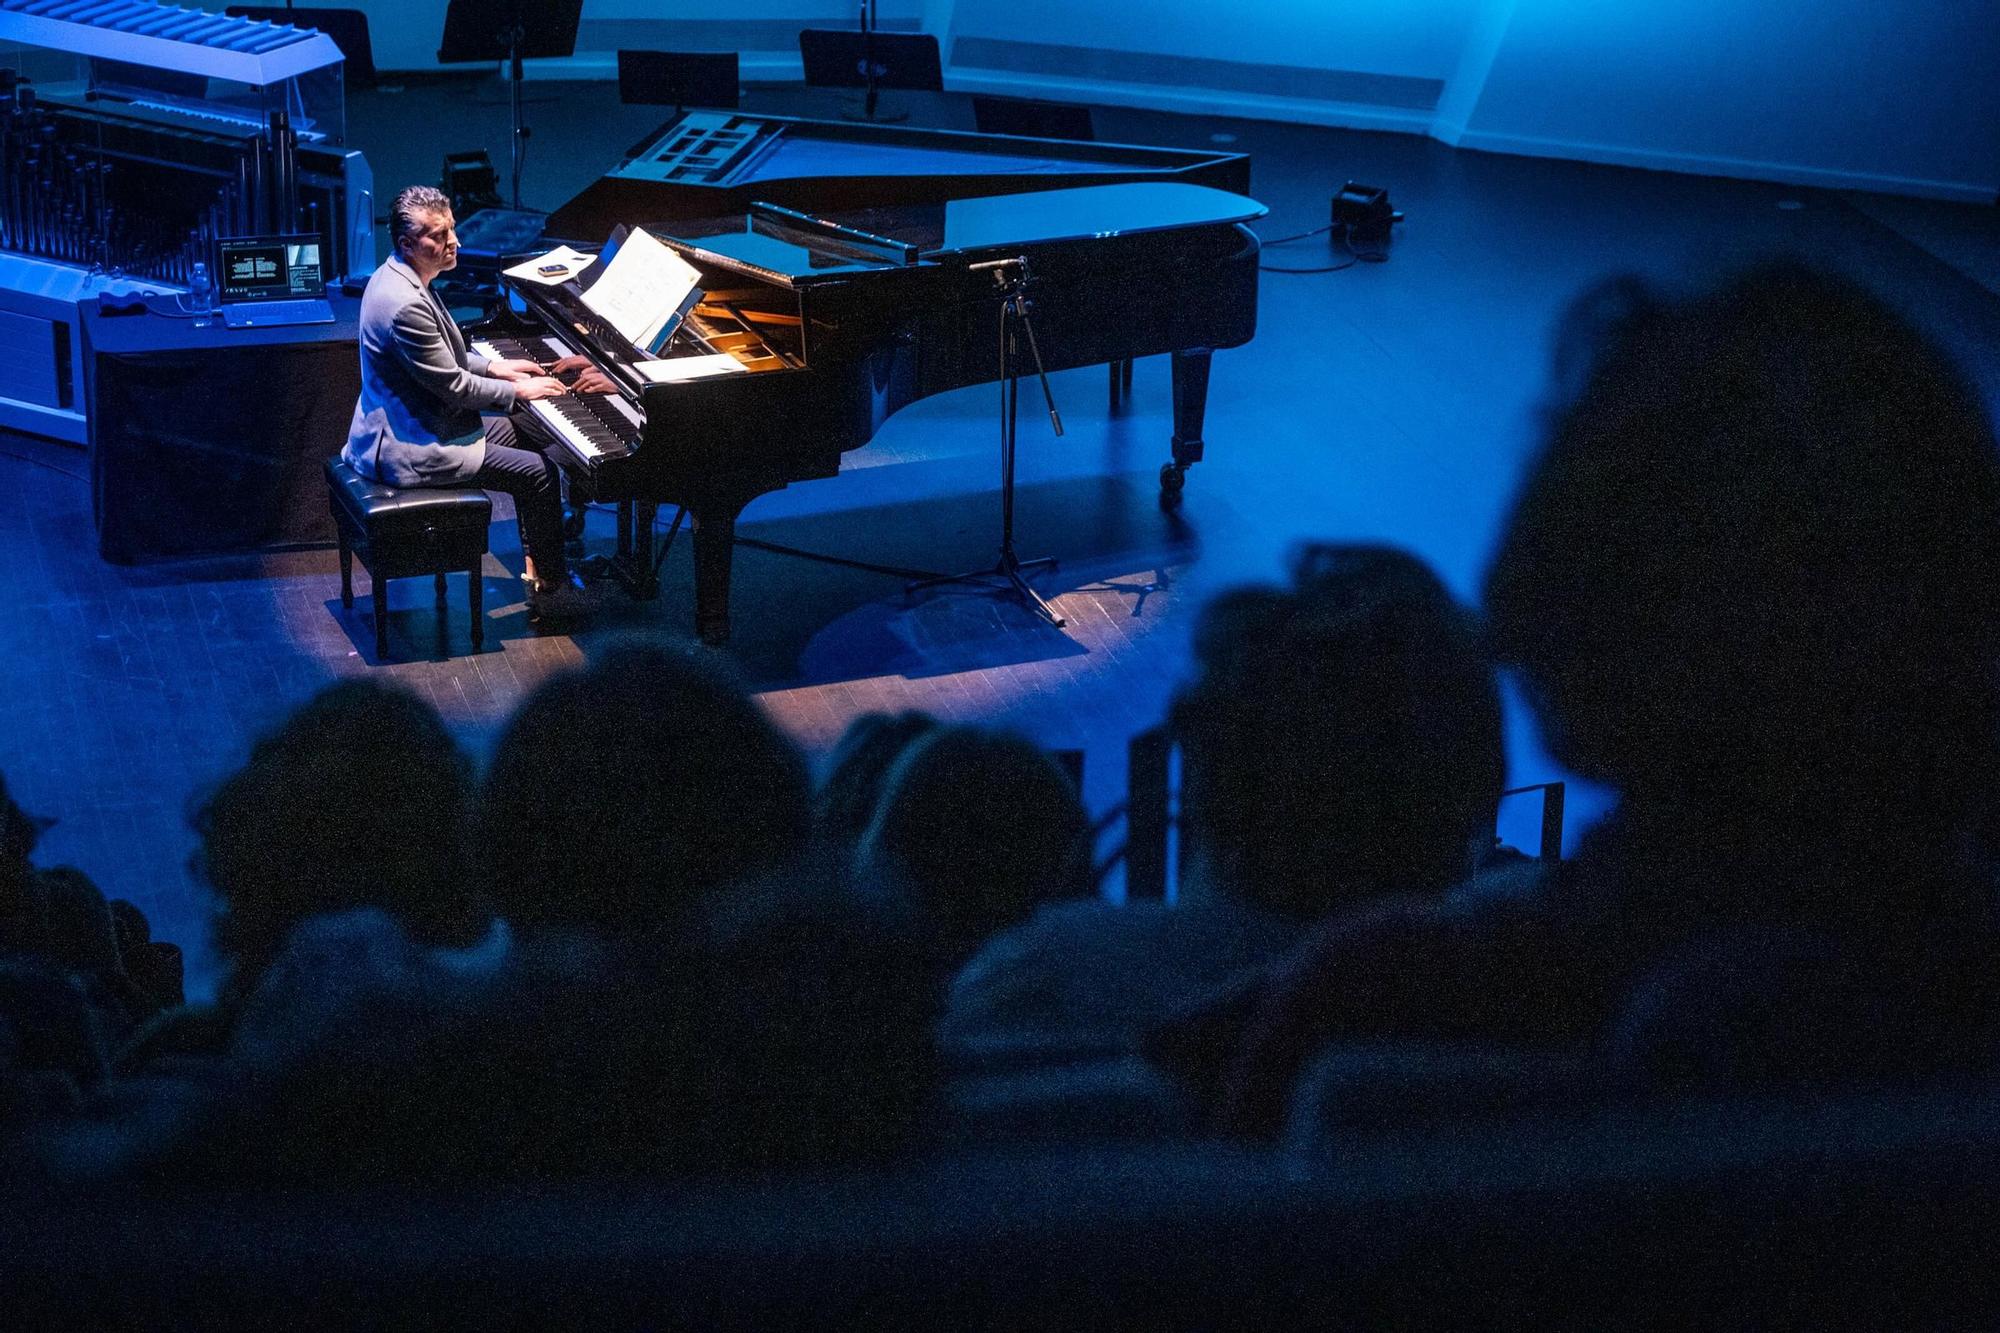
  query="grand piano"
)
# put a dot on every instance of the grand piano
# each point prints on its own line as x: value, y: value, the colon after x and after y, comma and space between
x: 840, y: 316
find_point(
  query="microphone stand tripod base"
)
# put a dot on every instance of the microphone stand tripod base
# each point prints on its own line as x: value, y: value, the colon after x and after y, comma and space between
x: 1010, y: 569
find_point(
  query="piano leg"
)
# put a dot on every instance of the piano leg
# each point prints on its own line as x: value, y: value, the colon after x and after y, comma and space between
x: 714, y: 553
x: 1121, y: 382
x: 645, y: 583
x: 1190, y: 405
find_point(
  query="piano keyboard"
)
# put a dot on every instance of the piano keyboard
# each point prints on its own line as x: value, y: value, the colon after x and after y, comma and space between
x: 595, y: 426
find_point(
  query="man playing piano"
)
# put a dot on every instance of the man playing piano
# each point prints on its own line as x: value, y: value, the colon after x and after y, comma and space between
x: 418, y: 420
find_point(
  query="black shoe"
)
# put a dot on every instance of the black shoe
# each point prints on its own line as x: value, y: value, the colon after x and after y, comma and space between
x: 560, y: 600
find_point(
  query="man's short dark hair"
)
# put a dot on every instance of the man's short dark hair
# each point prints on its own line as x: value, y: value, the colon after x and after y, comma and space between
x: 412, y: 207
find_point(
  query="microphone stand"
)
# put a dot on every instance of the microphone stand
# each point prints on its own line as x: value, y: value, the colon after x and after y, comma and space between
x: 515, y: 35
x: 871, y: 73
x: 1012, y: 278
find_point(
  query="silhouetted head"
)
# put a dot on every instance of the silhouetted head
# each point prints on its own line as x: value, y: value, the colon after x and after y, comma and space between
x: 621, y: 792
x: 1341, y: 737
x: 1752, y: 573
x: 982, y: 827
x: 360, y: 799
x: 19, y: 832
x: 861, y: 760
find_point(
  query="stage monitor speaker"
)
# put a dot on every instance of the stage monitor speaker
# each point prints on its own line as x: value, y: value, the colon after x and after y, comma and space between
x: 1365, y: 212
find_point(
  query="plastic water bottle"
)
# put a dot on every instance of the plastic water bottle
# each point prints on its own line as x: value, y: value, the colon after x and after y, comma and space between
x: 201, y: 295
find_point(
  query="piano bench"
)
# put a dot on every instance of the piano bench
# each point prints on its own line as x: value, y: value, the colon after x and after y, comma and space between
x: 400, y: 533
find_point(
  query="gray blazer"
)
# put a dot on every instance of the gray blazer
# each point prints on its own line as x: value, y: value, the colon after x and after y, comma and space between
x: 417, y: 421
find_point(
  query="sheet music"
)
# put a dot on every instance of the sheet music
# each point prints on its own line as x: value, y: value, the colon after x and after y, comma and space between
x: 642, y: 289
x: 679, y: 368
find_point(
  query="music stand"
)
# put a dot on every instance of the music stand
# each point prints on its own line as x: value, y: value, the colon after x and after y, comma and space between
x: 477, y: 31
x: 846, y: 58
x: 679, y: 78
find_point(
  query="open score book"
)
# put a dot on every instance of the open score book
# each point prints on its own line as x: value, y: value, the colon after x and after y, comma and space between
x: 644, y: 292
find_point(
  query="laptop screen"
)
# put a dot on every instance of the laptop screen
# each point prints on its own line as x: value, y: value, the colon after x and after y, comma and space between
x: 268, y: 268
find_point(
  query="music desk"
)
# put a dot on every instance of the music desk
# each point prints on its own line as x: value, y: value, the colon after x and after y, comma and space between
x: 210, y: 440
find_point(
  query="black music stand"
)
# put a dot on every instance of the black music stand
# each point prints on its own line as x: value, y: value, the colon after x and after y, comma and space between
x: 847, y: 58
x: 478, y: 31
x: 1012, y: 279
x: 679, y: 79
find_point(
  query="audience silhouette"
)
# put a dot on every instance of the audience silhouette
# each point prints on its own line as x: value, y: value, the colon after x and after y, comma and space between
x: 1748, y: 583
x: 1340, y: 741
x: 688, y: 989
x: 623, y: 792
x: 68, y: 998
x: 361, y: 799
x: 982, y: 827
x: 844, y: 801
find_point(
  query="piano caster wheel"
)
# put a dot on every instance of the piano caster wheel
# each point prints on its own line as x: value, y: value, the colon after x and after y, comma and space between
x: 1173, y: 480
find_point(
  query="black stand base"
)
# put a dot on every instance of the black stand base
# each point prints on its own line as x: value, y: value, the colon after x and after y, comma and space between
x: 631, y: 565
x: 1005, y: 576
x: 635, y: 578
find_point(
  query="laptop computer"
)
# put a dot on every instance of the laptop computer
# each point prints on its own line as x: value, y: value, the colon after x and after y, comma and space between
x: 270, y: 281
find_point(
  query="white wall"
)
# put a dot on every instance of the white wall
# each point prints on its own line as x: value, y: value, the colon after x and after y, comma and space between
x: 1895, y: 95
x: 1416, y: 39
x: 1421, y: 39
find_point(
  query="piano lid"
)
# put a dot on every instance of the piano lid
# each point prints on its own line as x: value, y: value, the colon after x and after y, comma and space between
x: 795, y: 155
x: 774, y: 259
x: 741, y: 149
x: 1005, y: 221
x: 168, y: 37
x: 1000, y: 223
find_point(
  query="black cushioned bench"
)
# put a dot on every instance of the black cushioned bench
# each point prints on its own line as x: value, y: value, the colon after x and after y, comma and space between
x: 401, y: 533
